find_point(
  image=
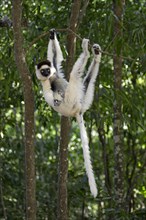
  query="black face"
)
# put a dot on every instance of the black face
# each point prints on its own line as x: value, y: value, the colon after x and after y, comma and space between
x: 45, y: 72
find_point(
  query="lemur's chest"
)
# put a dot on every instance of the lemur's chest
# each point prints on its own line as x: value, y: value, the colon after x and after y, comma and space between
x: 69, y: 105
x: 61, y: 99
x: 58, y: 86
x: 67, y: 109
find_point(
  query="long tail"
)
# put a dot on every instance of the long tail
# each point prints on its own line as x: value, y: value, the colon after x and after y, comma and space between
x: 86, y: 154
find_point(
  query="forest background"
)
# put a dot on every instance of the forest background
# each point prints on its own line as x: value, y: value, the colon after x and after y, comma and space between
x: 97, y: 23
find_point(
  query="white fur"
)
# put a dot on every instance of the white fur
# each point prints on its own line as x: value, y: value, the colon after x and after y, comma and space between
x: 86, y: 153
x: 53, y: 46
x: 94, y: 68
x: 76, y: 99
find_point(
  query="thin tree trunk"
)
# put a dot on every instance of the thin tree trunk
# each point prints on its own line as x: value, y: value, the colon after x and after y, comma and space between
x: 118, y: 143
x: 29, y: 110
x: 102, y: 139
x: 108, y: 184
x: 62, y: 211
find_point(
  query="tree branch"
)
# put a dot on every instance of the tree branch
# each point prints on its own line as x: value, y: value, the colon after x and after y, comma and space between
x: 80, y: 38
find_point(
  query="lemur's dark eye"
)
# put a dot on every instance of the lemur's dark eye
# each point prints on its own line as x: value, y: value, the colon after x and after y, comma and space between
x: 48, y: 70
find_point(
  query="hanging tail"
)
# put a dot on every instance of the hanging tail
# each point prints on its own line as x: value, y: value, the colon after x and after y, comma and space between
x: 86, y: 154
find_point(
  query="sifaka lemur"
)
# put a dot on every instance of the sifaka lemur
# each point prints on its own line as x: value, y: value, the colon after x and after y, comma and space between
x: 73, y: 97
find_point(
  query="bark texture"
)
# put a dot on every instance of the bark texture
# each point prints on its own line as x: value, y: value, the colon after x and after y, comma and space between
x: 29, y: 110
x: 118, y: 143
x: 71, y: 38
x: 63, y: 169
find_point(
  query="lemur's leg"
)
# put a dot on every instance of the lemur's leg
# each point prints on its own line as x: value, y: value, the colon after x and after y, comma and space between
x: 54, y: 53
x: 79, y: 66
x: 48, y: 93
x: 74, y: 91
x: 89, y: 80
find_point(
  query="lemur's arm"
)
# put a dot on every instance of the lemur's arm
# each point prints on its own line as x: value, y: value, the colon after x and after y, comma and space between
x: 54, y: 53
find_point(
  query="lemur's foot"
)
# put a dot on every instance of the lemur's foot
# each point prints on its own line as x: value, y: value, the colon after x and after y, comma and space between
x: 85, y: 44
x: 97, y: 52
x: 96, y: 48
x: 52, y: 33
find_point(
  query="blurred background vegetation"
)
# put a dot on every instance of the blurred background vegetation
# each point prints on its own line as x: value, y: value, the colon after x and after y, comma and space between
x: 97, y: 25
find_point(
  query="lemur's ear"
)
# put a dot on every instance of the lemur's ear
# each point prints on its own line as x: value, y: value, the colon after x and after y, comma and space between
x: 45, y: 62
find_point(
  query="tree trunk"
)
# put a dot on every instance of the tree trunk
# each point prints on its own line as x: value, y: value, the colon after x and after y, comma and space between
x: 63, y: 169
x: 102, y: 139
x: 65, y: 123
x: 29, y: 110
x: 118, y: 143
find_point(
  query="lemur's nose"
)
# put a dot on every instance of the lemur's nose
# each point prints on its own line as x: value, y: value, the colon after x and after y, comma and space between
x: 45, y: 72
